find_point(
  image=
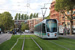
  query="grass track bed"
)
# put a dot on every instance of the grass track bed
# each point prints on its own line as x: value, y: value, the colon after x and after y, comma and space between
x: 19, y: 45
x: 9, y: 43
x: 65, y: 43
x: 46, y: 45
x: 60, y: 44
x: 67, y: 40
x: 29, y: 44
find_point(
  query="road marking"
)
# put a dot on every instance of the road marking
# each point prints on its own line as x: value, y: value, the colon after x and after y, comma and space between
x: 36, y: 43
x: 59, y: 45
x: 23, y: 44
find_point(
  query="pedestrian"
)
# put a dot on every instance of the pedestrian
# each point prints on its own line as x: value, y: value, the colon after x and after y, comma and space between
x: 15, y: 31
x: 68, y: 31
x: 65, y: 31
x: 0, y: 30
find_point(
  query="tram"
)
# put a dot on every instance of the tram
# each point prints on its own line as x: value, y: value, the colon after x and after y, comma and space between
x: 48, y: 28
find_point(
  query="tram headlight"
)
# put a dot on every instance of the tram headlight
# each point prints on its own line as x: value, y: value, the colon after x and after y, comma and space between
x: 48, y: 34
x: 55, y: 34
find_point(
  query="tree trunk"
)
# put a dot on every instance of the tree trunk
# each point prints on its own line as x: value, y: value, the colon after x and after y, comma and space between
x: 71, y: 25
x: 71, y: 22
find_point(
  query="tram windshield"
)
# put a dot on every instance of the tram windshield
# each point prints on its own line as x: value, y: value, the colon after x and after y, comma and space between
x: 51, y: 26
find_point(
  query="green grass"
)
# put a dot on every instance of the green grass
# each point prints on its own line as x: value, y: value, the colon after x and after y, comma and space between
x: 19, y: 45
x: 45, y: 44
x: 68, y: 43
x: 22, y: 36
x: 29, y: 44
x: 50, y: 44
x: 9, y: 43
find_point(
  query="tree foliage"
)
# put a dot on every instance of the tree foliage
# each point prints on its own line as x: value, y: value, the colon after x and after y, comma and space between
x: 25, y: 16
x: 48, y: 17
x: 22, y: 17
x: 66, y: 5
x: 16, y: 16
x: 24, y: 27
x: 19, y: 16
x: 6, y: 20
x: 35, y: 15
x: 31, y: 16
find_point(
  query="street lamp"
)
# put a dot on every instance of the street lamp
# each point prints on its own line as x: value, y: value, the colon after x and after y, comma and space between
x: 43, y: 11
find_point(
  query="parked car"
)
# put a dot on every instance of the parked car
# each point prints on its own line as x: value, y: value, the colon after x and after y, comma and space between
x: 73, y: 30
x: 27, y: 31
x: 61, y: 30
x: 0, y: 30
x: 11, y: 32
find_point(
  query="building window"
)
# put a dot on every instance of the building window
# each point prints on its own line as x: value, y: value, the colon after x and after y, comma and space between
x: 73, y: 12
x: 62, y: 17
x: 74, y: 17
x: 63, y: 23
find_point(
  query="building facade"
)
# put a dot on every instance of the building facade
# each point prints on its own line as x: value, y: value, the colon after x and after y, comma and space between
x: 54, y: 14
x: 18, y: 21
x: 33, y: 22
x: 62, y: 19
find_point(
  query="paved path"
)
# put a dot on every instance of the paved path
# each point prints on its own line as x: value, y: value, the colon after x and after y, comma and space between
x: 25, y: 33
x: 68, y: 36
x: 4, y: 37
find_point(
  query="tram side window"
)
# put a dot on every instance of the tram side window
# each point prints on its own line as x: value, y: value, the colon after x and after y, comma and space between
x: 43, y: 28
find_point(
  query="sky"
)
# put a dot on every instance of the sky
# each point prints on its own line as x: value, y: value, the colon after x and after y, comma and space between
x: 25, y: 6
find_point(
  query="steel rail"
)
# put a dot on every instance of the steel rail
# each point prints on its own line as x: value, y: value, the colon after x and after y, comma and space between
x: 36, y: 43
x: 15, y: 44
x: 23, y: 44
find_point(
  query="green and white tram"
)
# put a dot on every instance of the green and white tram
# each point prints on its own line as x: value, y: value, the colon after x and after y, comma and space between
x: 48, y: 28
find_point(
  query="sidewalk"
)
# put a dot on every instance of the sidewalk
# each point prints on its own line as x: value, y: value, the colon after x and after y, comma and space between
x: 68, y: 36
x: 4, y: 37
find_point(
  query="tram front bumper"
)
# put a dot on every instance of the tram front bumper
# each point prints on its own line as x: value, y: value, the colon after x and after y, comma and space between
x: 50, y: 36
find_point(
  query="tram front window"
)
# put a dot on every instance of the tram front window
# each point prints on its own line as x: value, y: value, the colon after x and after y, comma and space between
x: 51, y: 26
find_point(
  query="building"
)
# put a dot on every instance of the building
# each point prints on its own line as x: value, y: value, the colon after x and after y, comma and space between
x: 33, y: 22
x: 18, y: 21
x: 54, y: 14
x: 60, y: 17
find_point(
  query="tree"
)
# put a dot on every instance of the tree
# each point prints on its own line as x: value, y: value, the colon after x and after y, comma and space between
x: 31, y: 16
x: 25, y: 16
x: 48, y: 17
x: 24, y: 27
x: 37, y: 15
x: 16, y: 16
x: 19, y: 16
x: 34, y: 16
x: 22, y: 17
x: 66, y: 5
x: 72, y: 0
x: 6, y: 20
